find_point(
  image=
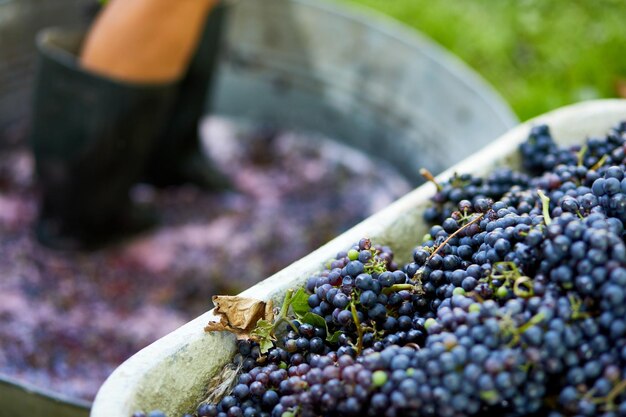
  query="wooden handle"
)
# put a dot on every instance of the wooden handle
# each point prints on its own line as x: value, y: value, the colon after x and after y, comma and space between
x: 147, y: 41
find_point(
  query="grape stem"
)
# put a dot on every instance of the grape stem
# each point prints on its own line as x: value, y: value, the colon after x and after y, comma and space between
x: 534, y: 320
x: 523, y: 287
x: 398, y: 287
x: 617, y: 390
x: 576, y: 305
x: 545, y: 206
x: 581, y: 155
x: 609, y: 400
x: 284, y: 309
x: 286, y: 303
x: 480, y: 216
x: 599, y: 163
x: 428, y: 176
x: 355, y: 317
x: 509, y: 327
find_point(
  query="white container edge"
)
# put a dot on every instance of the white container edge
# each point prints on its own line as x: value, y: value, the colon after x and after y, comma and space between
x: 172, y: 367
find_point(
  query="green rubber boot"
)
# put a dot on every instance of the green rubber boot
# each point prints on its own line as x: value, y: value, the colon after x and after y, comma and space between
x: 91, y: 137
x: 178, y: 158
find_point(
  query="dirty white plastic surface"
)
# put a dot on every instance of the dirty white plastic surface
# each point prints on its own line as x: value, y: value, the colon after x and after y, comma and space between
x: 172, y: 373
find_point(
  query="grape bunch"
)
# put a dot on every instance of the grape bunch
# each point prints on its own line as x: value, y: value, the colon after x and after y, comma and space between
x: 514, y: 304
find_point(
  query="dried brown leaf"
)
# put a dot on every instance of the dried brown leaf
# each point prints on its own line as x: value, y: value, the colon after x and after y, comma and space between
x: 239, y: 315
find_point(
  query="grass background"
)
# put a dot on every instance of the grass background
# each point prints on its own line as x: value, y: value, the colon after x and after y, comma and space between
x: 538, y: 54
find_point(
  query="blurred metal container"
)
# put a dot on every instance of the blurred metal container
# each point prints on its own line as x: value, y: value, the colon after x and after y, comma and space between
x: 359, y: 77
x: 18, y: 399
x: 351, y: 74
x: 172, y: 373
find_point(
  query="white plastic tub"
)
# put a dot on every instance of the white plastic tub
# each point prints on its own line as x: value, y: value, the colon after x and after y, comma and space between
x: 172, y: 373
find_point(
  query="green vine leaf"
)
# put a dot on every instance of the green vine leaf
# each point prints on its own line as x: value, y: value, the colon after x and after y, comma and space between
x: 334, y: 338
x: 263, y: 333
x: 318, y: 321
x: 314, y: 320
x: 265, y: 345
x: 300, y: 303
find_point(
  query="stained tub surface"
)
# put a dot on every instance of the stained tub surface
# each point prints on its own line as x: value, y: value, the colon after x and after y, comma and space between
x: 172, y: 373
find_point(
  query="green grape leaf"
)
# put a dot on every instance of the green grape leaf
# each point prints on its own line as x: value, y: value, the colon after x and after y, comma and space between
x: 318, y: 321
x: 314, y: 320
x: 300, y: 303
x: 262, y: 333
x: 334, y: 338
x: 265, y: 345
x: 263, y: 329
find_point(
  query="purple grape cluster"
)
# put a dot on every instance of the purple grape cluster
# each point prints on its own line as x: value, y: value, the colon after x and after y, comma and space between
x: 513, y: 305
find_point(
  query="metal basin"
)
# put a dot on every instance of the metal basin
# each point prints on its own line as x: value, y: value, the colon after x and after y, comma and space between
x: 350, y: 74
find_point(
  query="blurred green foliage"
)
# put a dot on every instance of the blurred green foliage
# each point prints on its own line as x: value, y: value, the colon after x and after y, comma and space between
x: 539, y: 54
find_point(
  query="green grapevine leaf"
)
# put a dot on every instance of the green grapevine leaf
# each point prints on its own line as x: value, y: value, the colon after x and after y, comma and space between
x: 318, y: 321
x: 314, y: 320
x: 300, y: 303
x: 334, y: 338
x: 262, y: 333
x: 265, y: 345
